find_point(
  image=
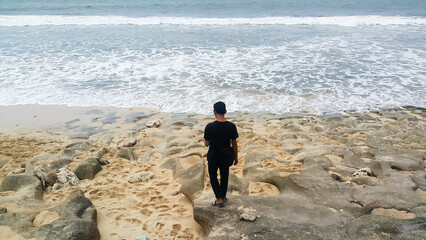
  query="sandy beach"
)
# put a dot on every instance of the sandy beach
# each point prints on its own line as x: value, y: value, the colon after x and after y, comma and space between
x: 144, y: 172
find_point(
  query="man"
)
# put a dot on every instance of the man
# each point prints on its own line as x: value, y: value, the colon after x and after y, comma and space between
x: 221, y: 138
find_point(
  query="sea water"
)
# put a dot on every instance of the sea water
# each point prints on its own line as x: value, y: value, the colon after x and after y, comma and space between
x: 317, y: 56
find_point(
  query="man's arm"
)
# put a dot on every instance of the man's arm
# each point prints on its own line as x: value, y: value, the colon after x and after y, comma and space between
x: 235, y: 147
x: 207, y: 135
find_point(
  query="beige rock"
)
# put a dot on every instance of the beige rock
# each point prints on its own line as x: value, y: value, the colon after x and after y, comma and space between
x: 45, y: 217
x: 250, y: 217
x: 362, y: 172
x: 393, y: 213
x: 248, y: 214
x: 140, y: 177
x: 154, y: 123
x: 126, y: 142
x: 17, y: 171
x: 334, y: 159
x: 66, y: 177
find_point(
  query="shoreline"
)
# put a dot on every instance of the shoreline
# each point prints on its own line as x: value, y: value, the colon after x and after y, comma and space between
x: 69, y: 113
x: 276, y: 152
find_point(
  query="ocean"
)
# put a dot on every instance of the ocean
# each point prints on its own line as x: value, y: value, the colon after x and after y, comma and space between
x: 323, y: 56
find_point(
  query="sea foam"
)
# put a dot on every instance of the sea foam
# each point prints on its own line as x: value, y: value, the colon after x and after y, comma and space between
x: 347, y: 21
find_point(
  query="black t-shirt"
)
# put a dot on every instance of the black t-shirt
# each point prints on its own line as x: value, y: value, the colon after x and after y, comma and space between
x: 220, y: 134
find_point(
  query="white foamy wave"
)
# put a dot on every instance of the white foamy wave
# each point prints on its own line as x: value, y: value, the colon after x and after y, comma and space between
x: 59, y: 20
x: 171, y: 81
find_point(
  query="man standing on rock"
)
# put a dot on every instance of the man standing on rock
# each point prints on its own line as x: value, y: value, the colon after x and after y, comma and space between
x: 221, y: 138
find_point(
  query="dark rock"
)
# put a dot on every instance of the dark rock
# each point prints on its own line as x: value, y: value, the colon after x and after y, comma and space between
x: 72, y: 124
x: 29, y: 167
x: 102, y: 152
x: 103, y: 161
x: 79, y: 146
x: 81, y: 135
x: 77, y: 207
x: 110, y: 118
x: 17, y: 182
x: 3, y: 210
x: 49, y: 179
x: 19, y: 222
x: 68, y: 230
x: 136, y: 116
x: 57, y: 163
x: 88, y: 169
x: 69, y: 153
x: 77, y: 221
x: 28, y: 188
x: 336, y: 176
x: 126, y: 153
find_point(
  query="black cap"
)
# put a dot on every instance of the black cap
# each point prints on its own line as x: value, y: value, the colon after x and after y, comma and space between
x: 220, y: 108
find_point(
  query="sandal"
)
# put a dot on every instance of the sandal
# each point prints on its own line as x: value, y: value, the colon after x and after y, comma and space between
x: 214, y: 204
x: 225, y: 200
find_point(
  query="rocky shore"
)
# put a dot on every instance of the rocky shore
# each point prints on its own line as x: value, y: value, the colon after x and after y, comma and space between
x: 115, y: 173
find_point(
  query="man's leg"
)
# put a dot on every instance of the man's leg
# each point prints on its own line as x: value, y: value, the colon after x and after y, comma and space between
x: 213, y: 166
x: 224, y: 175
